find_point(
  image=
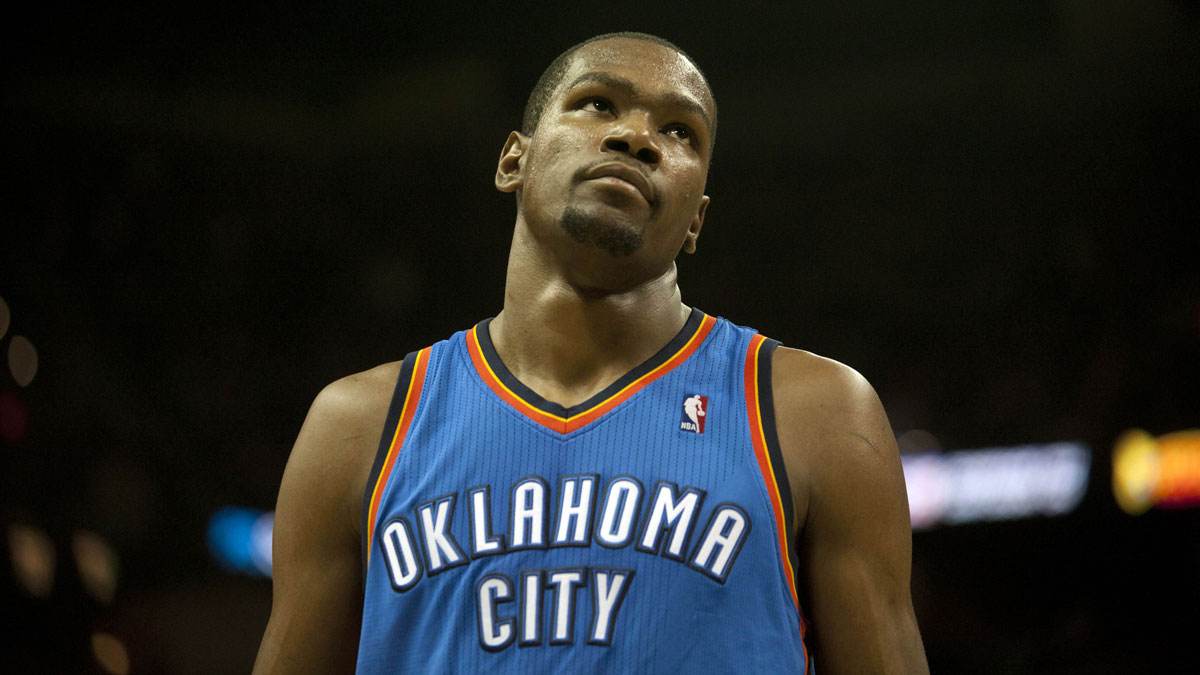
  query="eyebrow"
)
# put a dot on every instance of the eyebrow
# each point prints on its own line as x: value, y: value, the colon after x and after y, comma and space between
x: 617, y: 82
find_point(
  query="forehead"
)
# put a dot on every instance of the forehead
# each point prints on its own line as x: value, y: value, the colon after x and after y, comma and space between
x: 651, y: 67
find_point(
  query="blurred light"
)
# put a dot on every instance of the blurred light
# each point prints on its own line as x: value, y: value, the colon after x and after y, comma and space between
x: 260, y: 543
x: 995, y: 483
x: 33, y: 559
x: 1163, y: 471
x: 239, y: 539
x: 110, y: 653
x: 5, y: 317
x: 97, y: 563
x: 14, y: 418
x: 1135, y: 471
x: 22, y: 360
x: 917, y: 440
x: 926, y: 484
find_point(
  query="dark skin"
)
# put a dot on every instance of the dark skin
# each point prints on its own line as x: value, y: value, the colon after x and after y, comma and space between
x: 579, y: 312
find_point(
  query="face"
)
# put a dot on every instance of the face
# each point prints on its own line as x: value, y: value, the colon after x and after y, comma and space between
x: 614, y: 173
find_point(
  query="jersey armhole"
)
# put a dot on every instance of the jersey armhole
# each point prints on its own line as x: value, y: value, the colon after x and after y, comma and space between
x: 766, y: 405
x: 405, y: 389
x: 761, y: 351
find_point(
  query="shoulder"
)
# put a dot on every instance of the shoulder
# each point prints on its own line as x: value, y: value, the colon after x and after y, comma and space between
x: 336, y: 447
x: 316, y: 554
x: 356, y: 400
x: 824, y: 392
x: 833, y: 431
x: 351, y: 408
x: 799, y: 372
x: 854, y: 539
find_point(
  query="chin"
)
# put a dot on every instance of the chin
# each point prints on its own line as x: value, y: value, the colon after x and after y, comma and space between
x: 618, y: 239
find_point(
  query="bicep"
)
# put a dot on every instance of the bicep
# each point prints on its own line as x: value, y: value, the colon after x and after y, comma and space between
x: 316, y: 560
x: 857, y: 554
x: 855, y: 538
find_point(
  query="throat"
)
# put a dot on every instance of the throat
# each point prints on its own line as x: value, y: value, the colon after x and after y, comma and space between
x: 565, y: 359
x: 573, y: 394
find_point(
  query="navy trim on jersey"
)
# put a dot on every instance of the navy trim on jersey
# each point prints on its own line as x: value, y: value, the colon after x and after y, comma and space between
x: 766, y: 406
x: 532, y: 398
x: 395, y: 409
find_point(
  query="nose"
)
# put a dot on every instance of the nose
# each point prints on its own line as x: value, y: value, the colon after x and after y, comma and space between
x: 635, y: 136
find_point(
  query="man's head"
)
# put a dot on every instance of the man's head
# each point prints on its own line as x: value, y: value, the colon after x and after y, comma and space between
x: 552, y: 77
x: 613, y: 156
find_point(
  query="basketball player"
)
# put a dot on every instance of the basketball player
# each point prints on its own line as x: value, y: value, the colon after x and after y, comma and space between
x: 600, y: 479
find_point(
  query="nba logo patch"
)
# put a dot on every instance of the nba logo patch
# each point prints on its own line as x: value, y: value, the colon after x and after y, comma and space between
x: 695, y: 409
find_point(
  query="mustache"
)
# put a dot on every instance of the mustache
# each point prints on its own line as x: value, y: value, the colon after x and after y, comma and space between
x: 582, y: 171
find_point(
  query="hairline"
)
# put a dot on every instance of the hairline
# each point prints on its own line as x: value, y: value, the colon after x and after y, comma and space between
x: 552, y: 77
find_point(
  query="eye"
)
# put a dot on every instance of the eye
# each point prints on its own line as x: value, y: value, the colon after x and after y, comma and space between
x: 596, y: 105
x: 678, y: 131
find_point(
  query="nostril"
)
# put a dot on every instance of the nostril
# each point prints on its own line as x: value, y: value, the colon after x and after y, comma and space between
x: 616, y: 145
x: 648, y: 156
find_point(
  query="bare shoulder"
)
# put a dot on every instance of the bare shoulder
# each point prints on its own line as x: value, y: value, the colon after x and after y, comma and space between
x: 316, y: 555
x: 338, y: 441
x: 831, y: 425
x: 815, y: 379
x: 351, y: 405
x: 855, y: 545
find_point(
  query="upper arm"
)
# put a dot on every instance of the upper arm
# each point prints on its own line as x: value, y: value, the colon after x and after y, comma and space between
x: 316, y: 550
x: 852, y: 510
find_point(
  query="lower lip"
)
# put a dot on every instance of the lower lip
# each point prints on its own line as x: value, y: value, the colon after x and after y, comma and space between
x: 620, y: 183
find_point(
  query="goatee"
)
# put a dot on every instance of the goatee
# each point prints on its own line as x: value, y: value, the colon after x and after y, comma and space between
x: 611, y: 237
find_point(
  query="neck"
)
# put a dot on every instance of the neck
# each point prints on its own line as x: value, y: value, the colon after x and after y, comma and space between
x: 568, y: 341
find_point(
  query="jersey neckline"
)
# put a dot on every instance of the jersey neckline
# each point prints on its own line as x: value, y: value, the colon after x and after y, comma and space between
x: 562, y: 419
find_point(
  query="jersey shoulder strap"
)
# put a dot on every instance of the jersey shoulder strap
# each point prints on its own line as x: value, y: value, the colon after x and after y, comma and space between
x: 405, y: 399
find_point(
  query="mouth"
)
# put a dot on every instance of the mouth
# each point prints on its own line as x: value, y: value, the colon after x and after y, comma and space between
x: 620, y: 173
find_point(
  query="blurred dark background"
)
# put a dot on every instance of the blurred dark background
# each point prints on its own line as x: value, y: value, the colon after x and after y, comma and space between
x: 210, y: 212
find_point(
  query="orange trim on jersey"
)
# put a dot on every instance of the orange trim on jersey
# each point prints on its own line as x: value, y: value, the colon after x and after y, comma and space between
x: 411, y: 398
x: 565, y: 425
x: 764, y: 464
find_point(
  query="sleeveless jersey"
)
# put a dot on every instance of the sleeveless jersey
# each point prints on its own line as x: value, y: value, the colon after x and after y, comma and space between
x: 642, y: 531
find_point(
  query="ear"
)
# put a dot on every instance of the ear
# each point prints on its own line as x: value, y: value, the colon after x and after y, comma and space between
x: 508, y: 169
x: 693, y: 233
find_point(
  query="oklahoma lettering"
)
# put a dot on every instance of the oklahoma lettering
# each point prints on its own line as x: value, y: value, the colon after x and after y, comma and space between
x: 580, y: 512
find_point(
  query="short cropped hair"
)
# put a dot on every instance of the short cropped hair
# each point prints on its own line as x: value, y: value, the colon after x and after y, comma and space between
x: 554, y: 73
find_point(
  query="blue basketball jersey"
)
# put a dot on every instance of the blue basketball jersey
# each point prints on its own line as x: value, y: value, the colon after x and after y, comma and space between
x: 642, y: 531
